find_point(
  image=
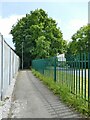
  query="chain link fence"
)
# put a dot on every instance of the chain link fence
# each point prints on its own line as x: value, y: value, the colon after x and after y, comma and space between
x: 9, y: 66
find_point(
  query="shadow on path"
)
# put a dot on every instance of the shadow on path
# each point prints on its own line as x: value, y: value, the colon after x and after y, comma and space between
x: 32, y: 99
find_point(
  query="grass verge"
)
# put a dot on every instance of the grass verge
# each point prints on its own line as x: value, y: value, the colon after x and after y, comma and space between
x: 65, y: 95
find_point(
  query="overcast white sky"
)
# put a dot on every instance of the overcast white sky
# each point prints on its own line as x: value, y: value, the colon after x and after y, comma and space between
x: 70, y: 16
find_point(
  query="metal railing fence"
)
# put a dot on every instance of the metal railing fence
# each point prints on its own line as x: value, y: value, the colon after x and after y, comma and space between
x: 74, y: 71
x: 9, y: 66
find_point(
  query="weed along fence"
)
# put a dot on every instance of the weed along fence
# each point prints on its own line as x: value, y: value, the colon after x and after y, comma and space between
x: 9, y: 65
x: 73, y: 71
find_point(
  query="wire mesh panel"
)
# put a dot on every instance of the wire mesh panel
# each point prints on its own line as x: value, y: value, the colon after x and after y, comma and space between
x: 45, y: 66
x: 9, y: 66
x: 6, y: 60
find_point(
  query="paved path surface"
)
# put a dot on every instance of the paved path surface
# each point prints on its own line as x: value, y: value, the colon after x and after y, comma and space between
x: 32, y: 99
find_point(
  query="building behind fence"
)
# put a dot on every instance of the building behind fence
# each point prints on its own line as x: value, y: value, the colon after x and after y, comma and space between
x: 9, y: 66
x: 74, y: 71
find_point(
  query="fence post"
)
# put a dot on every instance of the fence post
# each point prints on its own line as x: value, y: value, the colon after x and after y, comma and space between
x: 1, y: 67
x: 55, y: 69
x: 10, y: 68
x: 89, y: 81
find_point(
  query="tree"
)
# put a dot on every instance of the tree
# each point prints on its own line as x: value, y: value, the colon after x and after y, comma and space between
x: 40, y: 36
x: 80, y: 40
x: 42, y: 47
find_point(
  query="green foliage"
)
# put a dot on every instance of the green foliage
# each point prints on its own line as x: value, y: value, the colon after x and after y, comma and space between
x: 40, y: 36
x: 80, y: 41
x: 42, y: 47
x: 65, y: 95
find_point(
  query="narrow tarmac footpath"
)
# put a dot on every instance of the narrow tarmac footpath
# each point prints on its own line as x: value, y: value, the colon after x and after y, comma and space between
x: 32, y: 99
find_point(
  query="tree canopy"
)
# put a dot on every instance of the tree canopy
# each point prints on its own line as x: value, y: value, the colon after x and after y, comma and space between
x: 80, y: 41
x: 40, y: 36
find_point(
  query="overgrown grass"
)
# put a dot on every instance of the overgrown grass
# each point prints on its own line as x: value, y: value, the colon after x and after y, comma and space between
x: 68, y: 78
x: 65, y: 95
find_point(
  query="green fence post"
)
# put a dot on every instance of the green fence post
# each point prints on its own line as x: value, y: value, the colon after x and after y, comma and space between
x: 55, y: 69
x: 82, y: 74
x: 89, y: 81
x: 85, y: 75
x: 79, y: 73
x: 74, y: 74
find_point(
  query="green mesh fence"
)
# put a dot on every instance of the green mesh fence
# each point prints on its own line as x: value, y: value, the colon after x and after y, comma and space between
x: 45, y: 66
x: 74, y: 71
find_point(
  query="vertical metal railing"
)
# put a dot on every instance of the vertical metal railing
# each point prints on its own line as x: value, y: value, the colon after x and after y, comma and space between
x: 89, y: 81
x: 74, y: 72
x: 55, y: 69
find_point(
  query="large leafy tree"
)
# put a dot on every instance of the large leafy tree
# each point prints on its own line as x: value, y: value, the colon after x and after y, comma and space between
x: 80, y: 41
x: 40, y: 36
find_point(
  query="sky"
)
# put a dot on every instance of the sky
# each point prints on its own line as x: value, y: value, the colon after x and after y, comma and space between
x: 70, y: 16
